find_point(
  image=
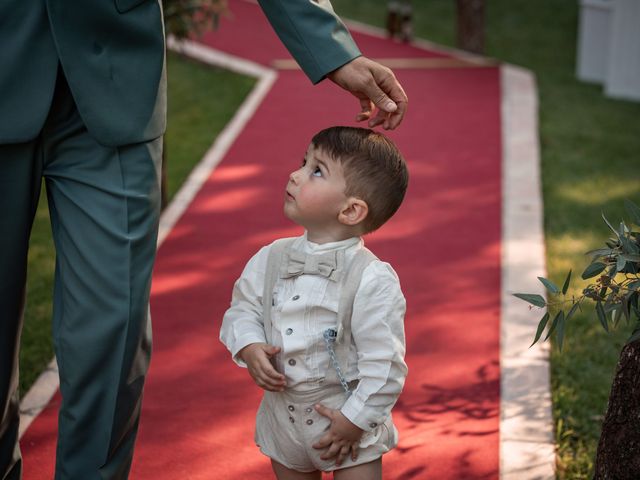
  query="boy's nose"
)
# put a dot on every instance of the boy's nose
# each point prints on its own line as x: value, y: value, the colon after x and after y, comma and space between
x: 293, y: 176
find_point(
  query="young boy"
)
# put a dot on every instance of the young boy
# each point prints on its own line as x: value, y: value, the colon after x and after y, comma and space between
x: 318, y: 319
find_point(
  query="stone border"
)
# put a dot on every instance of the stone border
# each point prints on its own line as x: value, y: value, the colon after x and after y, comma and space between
x: 45, y: 387
x: 527, y: 450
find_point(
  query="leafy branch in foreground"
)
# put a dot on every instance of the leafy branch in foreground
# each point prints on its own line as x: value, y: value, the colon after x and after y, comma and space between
x: 615, y: 291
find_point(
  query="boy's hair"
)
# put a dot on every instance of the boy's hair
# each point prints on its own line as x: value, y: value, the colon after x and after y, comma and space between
x: 374, y: 169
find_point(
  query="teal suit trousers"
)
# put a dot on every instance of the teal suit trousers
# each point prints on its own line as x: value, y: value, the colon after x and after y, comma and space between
x: 104, y: 206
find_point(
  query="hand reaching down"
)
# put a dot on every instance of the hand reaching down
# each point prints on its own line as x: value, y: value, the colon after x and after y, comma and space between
x: 374, y: 85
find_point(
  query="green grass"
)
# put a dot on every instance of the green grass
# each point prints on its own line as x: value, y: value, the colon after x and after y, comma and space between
x: 589, y: 147
x: 201, y: 102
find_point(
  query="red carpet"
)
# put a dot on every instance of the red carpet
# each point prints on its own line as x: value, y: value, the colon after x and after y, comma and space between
x: 199, y: 408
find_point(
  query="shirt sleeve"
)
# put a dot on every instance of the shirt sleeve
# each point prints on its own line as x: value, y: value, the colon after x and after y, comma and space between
x: 377, y: 329
x: 312, y: 32
x: 242, y: 323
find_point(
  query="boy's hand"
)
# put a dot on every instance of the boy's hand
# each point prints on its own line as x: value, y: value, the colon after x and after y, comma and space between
x: 342, y: 437
x: 256, y: 356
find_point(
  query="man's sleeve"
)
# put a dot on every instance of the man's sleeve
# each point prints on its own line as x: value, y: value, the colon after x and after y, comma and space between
x: 312, y: 32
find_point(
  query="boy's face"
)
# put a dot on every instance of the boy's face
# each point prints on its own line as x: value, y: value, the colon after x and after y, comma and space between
x: 315, y: 192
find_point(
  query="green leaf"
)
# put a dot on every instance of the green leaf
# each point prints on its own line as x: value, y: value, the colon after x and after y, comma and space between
x: 616, y: 315
x: 560, y: 330
x: 533, y: 299
x: 622, y: 229
x: 593, y: 270
x: 633, y: 210
x: 573, y: 310
x: 628, y: 246
x: 620, y: 263
x: 611, y: 243
x: 554, y: 324
x: 602, y: 316
x: 630, y: 257
x: 610, y: 226
x: 626, y: 308
x: 549, y: 285
x: 541, y: 325
x: 565, y: 287
x: 600, y: 252
x: 635, y: 335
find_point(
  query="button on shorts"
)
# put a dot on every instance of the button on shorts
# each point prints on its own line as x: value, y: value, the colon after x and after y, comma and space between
x: 287, y: 424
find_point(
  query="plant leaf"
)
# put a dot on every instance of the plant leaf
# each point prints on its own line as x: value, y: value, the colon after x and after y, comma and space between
x: 593, y: 270
x: 620, y: 263
x: 573, y: 310
x: 630, y: 257
x: 565, y: 287
x: 560, y: 330
x: 610, y: 226
x: 533, y: 299
x: 552, y: 287
x: 616, y: 315
x: 602, y: 316
x: 628, y: 246
x: 635, y: 335
x: 633, y: 210
x: 541, y: 325
x: 626, y: 307
x: 554, y: 324
x: 600, y: 252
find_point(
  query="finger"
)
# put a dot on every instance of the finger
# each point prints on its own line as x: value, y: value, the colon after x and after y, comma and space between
x: 396, y: 118
x: 269, y: 380
x: 342, y: 454
x: 354, y: 452
x: 333, y: 451
x: 324, y: 411
x: 395, y: 91
x: 268, y: 385
x: 324, y: 442
x: 379, y: 97
x: 272, y: 350
x: 267, y: 369
x: 274, y: 385
x: 379, y: 119
x: 366, y: 111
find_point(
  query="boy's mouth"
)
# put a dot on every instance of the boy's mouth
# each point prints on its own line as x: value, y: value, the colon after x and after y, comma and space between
x: 288, y: 196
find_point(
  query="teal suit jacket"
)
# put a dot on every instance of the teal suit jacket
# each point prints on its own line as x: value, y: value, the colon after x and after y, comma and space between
x: 113, y: 57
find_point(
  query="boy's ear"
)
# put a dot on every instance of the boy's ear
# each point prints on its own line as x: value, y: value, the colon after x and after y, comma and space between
x: 354, y: 212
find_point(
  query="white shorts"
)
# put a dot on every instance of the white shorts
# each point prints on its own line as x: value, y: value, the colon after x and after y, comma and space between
x: 287, y: 425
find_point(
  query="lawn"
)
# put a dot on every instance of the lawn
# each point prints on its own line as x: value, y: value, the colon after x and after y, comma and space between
x: 201, y: 100
x: 590, y: 157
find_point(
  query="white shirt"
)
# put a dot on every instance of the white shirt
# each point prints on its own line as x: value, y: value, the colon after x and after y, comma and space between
x: 305, y: 306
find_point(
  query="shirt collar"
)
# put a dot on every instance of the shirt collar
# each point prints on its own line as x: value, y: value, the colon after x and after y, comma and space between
x: 311, y: 247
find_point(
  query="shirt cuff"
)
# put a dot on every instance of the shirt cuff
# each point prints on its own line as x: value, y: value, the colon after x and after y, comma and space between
x: 366, y: 418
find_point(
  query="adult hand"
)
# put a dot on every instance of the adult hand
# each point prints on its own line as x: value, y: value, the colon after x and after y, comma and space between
x: 257, y: 357
x: 342, y: 438
x: 374, y: 85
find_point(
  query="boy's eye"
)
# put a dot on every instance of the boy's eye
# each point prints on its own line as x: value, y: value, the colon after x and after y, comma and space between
x: 317, y: 172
